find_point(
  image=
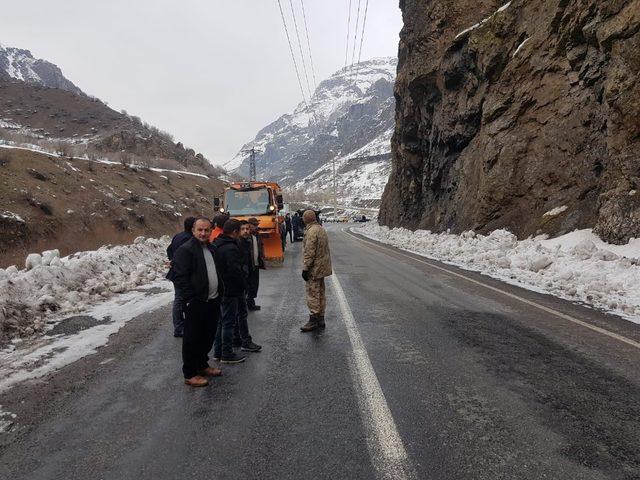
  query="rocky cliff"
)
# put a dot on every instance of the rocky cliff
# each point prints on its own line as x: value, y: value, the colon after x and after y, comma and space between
x: 349, y: 118
x: 521, y: 114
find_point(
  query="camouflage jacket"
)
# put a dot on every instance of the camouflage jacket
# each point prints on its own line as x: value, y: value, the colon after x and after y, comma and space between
x: 317, y: 258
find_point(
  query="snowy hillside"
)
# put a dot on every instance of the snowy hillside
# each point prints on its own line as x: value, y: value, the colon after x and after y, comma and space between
x: 360, y: 175
x: 20, y: 64
x: 350, y: 118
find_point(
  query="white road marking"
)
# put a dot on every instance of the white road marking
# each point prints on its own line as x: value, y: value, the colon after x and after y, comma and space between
x: 388, y: 455
x: 531, y: 303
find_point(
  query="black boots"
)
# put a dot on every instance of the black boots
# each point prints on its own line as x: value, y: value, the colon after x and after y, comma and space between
x: 311, y: 325
x: 315, y: 322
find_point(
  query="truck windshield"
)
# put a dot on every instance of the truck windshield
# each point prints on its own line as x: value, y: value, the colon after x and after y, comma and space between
x: 252, y: 202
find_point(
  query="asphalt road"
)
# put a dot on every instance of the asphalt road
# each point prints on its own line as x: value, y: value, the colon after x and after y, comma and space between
x: 423, y: 372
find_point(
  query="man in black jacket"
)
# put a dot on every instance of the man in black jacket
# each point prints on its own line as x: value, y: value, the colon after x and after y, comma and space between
x: 241, y: 336
x: 178, y: 304
x: 296, y: 224
x: 197, y: 275
x: 234, y: 277
x: 288, y: 226
x: 256, y: 264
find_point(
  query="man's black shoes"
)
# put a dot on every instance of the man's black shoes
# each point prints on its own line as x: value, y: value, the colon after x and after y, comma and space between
x: 233, y: 358
x: 251, y: 347
x: 254, y: 308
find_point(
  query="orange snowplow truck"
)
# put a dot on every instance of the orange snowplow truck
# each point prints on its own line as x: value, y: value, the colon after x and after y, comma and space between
x: 262, y: 200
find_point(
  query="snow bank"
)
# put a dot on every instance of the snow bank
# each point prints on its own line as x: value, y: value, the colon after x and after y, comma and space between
x: 48, y: 353
x: 577, y: 266
x: 71, y: 284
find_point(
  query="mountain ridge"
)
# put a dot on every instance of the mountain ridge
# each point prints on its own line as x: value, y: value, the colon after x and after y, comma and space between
x: 348, y: 111
x: 40, y: 108
x: 20, y: 64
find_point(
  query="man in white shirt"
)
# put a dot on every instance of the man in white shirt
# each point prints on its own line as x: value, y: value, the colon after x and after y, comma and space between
x: 198, y: 277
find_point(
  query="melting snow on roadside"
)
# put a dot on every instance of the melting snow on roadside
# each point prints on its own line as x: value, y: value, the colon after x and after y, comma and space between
x: 577, y: 266
x: 49, y: 284
x: 119, y: 282
x: 48, y: 353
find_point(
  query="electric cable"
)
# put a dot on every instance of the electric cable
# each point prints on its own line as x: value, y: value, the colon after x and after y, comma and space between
x: 346, y: 50
x: 364, y: 24
x: 304, y: 65
x: 355, y: 37
x: 293, y: 57
x: 306, y: 29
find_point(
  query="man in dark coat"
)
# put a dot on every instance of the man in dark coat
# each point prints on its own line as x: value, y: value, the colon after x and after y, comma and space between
x: 241, y: 336
x: 178, y: 306
x: 197, y: 275
x: 257, y: 264
x: 296, y: 223
x: 234, y: 277
x: 288, y: 226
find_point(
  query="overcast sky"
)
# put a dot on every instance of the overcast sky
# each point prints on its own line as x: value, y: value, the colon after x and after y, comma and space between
x: 211, y: 72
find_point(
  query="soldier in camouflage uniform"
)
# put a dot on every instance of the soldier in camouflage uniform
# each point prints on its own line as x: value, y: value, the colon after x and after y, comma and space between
x: 316, y: 266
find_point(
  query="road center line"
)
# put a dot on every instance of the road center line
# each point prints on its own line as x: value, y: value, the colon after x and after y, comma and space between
x: 386, y: 449
x: 531, y: 303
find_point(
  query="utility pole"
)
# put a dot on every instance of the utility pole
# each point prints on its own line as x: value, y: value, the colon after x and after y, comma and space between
x: 335, y: 196
x: 252, y: 163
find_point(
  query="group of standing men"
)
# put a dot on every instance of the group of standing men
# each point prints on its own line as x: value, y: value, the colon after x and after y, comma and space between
x: 215, y: 271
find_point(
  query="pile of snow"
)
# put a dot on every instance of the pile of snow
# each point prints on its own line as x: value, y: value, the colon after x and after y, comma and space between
x: 24, y: 360
x: 70, y: 284
x: 577, y: 266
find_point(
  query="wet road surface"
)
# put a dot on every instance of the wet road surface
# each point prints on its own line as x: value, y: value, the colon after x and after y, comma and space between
x: 421, y: 373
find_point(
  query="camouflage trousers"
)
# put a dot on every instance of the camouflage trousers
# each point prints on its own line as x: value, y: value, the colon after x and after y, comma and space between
x: 316, y: 300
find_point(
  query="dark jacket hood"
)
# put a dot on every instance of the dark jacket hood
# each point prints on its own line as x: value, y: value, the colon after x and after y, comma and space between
x: 224, y: 240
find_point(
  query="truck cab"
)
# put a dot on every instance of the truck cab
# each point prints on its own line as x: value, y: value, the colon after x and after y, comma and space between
x: 262, y: 200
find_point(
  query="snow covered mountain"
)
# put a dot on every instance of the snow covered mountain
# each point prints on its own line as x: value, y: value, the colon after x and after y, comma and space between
x: 350, y: 119
x: 20, y: 65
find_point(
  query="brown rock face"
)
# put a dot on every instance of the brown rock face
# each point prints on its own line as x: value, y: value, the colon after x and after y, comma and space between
x: 535, y: 107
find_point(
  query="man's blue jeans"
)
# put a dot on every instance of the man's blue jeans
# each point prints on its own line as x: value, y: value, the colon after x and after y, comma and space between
x: 178, y: 312
x: 234, y: 310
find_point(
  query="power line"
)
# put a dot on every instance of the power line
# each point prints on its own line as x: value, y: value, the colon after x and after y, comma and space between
x: 364, y: 24
x: 306, y: 29
x: 346, y: 50
x: 293, y: 57
x: 304, y: 65
x: 355, y: 36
